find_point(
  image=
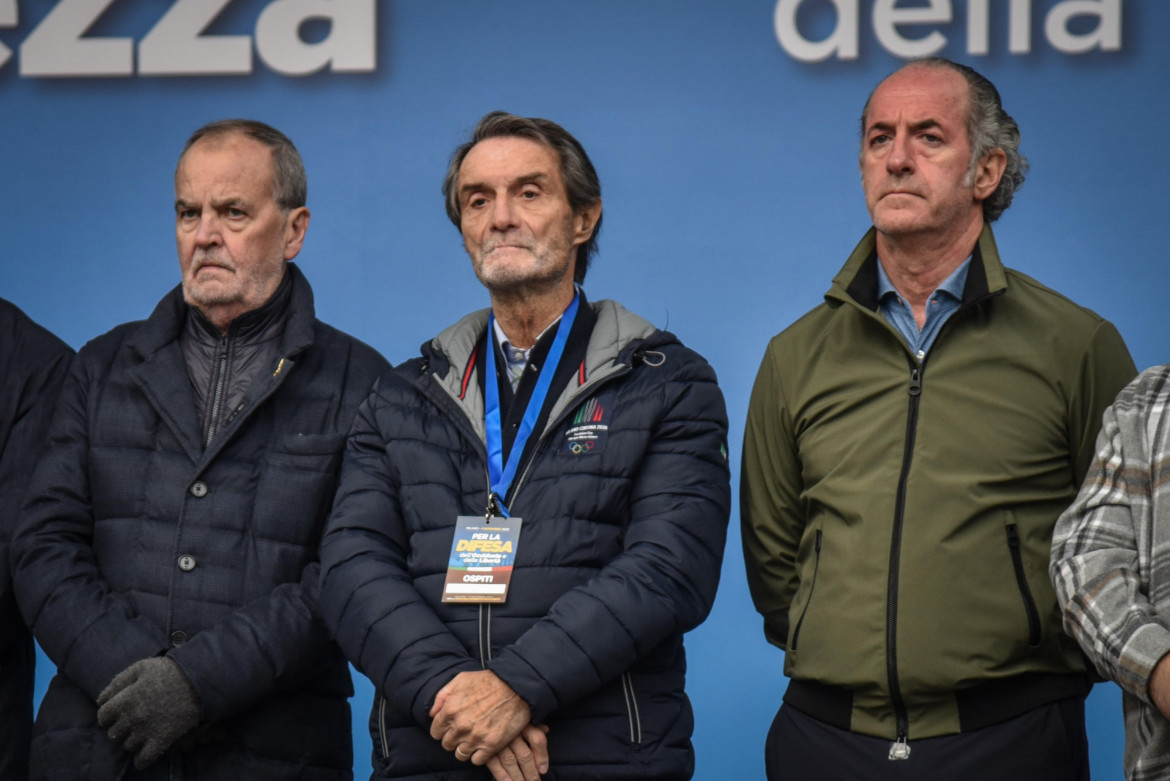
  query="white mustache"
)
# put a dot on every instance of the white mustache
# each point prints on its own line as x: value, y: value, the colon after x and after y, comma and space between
x: 216, y: 256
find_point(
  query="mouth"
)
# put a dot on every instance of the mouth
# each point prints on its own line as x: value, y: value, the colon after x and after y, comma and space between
x: 211, y: 263
x: 495, y: 247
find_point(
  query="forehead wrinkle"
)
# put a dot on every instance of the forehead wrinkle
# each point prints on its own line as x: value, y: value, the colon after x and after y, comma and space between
x: 539, y: 177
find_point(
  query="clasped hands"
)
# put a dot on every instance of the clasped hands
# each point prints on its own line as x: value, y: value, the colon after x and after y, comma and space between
x: 479, y: 718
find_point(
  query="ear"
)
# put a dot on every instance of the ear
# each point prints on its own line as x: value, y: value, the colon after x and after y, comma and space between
x: 585, y: 221
x: 988, y: 172
x: 295, y: 226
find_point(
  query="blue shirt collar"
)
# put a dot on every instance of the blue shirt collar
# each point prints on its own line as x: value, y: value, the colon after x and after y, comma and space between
x: 953, y: 285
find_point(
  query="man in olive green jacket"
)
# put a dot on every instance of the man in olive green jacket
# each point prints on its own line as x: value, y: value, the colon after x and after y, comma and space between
x: 909, y: 446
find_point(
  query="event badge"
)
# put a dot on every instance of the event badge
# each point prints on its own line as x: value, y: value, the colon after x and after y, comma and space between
x: 482, y: 553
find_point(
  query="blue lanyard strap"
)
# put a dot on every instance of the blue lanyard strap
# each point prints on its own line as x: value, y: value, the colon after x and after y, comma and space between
x: 500, y: 474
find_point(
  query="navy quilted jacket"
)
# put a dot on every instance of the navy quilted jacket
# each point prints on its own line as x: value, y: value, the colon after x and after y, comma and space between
x: 136, y: 541
x: 35, y: 364
x: 618, y: 556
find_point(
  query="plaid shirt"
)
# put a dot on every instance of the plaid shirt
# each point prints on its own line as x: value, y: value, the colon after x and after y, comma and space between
x: 1111, y: 562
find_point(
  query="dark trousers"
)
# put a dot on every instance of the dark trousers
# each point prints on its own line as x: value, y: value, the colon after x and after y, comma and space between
x: 1045, y: 744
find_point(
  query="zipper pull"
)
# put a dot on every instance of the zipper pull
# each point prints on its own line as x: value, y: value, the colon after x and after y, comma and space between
x: 915, y: 381
x: 900, y: 749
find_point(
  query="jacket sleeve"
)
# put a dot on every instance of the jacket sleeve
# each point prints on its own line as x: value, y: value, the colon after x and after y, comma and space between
x: 664, y: 581
x: 772, y: 516
x: 90, y: 632
x: 368, y: 598
x: 1106, y: 367
x: 1102, y: 565
x: 35, y: 368
x: 269, y: 645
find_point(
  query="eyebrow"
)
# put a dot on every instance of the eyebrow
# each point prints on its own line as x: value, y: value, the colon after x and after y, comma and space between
x: 925, y: 124
x: 536, y: 177
x: 181, y: 204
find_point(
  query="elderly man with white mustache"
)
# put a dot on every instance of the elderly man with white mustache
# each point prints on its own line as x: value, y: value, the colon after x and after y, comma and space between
x: 533, y: 512
x: 166, y: 559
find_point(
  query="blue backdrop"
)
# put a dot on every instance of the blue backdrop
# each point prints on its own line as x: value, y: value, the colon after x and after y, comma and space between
x: 725, y: 134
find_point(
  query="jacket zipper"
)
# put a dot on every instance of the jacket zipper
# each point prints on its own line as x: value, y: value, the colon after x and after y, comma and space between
x: 485, y: 635
x: 218, y: 394
x: 900, y: 748
x: 382, y: 727
x: 485, y: 624
x: 816, y: 568
x: 632, y: 709
x: 1013, y: 538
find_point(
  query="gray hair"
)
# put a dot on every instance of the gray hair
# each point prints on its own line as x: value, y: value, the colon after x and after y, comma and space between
x: 988, y: 127
x: 288, y: 170
x: 582, y: 187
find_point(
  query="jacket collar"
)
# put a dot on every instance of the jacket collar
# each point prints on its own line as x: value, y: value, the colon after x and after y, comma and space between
x: 857, y: 281
x: 162, y: 372
x: 167, y: 321
x: 617, y: 334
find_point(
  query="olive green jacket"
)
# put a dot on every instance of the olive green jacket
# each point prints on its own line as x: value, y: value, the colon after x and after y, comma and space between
x: 897, y: 517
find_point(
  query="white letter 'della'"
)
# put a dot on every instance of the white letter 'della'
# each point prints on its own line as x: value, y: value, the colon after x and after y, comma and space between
x: 1014, y: 25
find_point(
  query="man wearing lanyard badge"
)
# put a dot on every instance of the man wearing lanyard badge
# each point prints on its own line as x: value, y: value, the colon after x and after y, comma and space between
x: 531, y: 514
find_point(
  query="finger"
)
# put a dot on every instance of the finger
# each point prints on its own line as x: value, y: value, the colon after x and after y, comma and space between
x: 454, y: 738
x: 106, y: 716
x: 118, y: 731
x: 461, y: 754
x: 442, y: 726
x: 525, y: 760
x: 534, y: 735
x: 149, y: 754
x: 507, y: 759
x: 497, y: 769
x: 441, y: 697
x: 133, y: 743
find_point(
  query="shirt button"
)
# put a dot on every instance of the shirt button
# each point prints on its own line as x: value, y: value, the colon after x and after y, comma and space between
x: 199, y: 489
x: 178, y: 637
x: 186, y: 562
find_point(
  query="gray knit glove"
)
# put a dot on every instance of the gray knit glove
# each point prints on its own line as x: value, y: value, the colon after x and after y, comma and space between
x: 147, y: 707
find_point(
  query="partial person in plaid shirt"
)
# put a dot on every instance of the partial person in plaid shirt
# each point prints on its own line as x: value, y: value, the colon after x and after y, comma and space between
x: 1111, y: 566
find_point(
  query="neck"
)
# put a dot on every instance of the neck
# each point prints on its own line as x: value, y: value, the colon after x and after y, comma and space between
x: 918, y: 264
x: 221, y: 317
x: 524, y: 317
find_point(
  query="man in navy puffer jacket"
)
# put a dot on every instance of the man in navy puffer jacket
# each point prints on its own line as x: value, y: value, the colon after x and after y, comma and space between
x: 166, y: 559
x: 599, y: 436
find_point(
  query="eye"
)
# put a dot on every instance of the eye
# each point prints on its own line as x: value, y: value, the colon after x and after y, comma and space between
x: 186, y: 214
x: 476, y: 201
x: 931, y: 138
x: 235, y: 213
x: 880, y: 138
x: 529, y: 194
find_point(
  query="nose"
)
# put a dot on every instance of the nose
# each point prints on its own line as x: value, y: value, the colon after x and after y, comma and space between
x: 208, y: 232
x: 503, y: 214
x: 900, y: 159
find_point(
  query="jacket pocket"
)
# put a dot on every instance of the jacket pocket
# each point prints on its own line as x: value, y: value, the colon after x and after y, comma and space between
x: 632, y: 709
x: 811, y: 589
x: 1013, y: 541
